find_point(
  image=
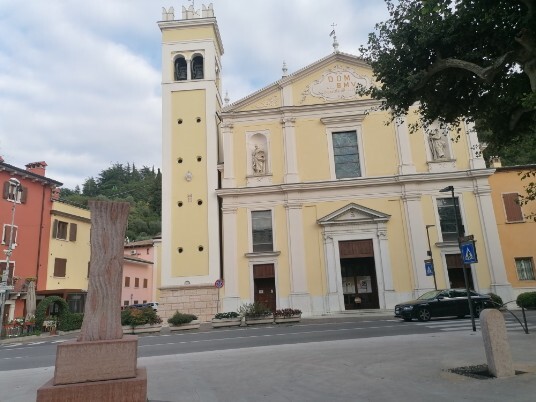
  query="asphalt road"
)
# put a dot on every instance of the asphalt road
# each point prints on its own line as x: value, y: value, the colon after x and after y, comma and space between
x: 42, y: 352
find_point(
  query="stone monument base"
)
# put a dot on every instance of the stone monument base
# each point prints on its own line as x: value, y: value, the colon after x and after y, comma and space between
x: 123, y: 390
x: 96, y: 360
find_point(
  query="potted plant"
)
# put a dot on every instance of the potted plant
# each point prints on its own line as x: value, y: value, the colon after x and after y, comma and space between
x: 256, y: 313
x: 137, y: 321
x: 287, y: 315
x: 180, y: 321
x: 228, y: 319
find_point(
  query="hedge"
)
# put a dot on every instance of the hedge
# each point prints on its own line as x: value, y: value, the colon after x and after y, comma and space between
x: 71, y: 321
x: 527, y: 300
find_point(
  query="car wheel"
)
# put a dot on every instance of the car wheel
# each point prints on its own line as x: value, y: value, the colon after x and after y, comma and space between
x: 407, y: 319
x: 424, y: 314
x: 478, y: 310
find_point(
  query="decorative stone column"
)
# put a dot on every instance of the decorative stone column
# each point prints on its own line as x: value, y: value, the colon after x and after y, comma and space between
x: 231, y: 300
x: 492, y: 245
x: 404, y: 150
x: 299, y: 295
x: 476, y: 160
x: 228, y: 156
x: 289, y: 143
x: 417, y: 241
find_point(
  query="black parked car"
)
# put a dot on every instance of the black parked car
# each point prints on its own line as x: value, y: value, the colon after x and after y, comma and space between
x: 442, y: 303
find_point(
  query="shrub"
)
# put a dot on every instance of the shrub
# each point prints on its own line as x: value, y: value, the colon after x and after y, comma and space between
x: 287, y: 312
x: 527, y: 300
x: 231, y: 314
x: 135, y: 317
x: 255, y: 309
x: 181, y: 318
x: 496, y: 299
x: 70, y: 322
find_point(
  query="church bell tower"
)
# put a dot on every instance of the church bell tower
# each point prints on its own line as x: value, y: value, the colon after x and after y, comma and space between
x: 191, y: 100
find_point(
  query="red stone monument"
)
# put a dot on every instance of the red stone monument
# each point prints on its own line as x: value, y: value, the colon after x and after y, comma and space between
x: 101, y: 365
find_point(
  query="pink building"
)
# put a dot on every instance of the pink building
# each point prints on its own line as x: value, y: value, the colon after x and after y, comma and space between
x: 138, y: 275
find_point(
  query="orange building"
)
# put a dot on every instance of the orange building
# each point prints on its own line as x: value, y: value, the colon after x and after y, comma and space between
x: 516, y: 225
x: 25, y: 223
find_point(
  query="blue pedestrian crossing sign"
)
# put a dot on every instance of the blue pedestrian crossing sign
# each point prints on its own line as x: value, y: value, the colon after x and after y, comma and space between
x: 468, y: 252
x: 429, y: 267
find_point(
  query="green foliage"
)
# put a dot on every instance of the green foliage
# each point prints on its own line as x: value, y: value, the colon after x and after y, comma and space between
x: 230, y: 314
x: 461, y: 59
x: 181, y: 318
x: 141, y: 188
x: 40, y: 311
x: 71, y: 321
x: 255, y: 309
x: 496, y: 299
x: 527, y: 300
x: 139, y: 316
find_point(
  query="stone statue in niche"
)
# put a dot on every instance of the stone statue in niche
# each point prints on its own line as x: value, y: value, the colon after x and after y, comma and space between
x: 438, y: 145
x: 258, y: 161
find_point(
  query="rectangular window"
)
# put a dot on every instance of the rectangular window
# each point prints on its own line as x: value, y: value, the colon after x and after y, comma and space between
x: 3, y: 266
x: 7, y: 236
x: 59, y: 230
x: 525, y: 269
x: 135, y: 302
x: 346, y: 155
x: 125, y: 303
x: 261, y: 223
x: 127, y: 281
x: 145, y: 283
x: 512, y: 208
x: 60, y: 267
x: 12, y: 192
x: 447, y: 218
x: 136, y: 282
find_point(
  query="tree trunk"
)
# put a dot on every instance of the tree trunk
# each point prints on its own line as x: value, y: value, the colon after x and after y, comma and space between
x: 102, y: 314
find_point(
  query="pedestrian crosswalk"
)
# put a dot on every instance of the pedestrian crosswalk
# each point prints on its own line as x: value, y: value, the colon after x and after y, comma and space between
x: 463, y: 325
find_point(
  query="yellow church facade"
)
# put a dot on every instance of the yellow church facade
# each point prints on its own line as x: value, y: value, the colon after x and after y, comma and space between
x: 303, y: 195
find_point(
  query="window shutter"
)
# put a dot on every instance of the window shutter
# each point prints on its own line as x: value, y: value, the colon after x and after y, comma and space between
x: 7, y: 233
x: 55, y: 229
x: 24, y: 195
x: 6, y: 190
x: 88, y: 267
x: 60, y: 267
x: 127, y: 281
x: 72, y: 232
x: 145, y: 283
x: 512, y: 208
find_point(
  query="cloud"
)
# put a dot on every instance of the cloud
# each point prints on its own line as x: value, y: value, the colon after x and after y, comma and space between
x: 80, y: 84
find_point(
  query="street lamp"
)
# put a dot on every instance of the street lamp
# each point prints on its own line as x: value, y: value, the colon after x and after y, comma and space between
x: 430, y: 253
x: 3, y: 285
x: 460, y: 233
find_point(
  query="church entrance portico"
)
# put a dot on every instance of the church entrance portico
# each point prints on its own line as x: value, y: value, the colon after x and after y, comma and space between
x: 358, y: 268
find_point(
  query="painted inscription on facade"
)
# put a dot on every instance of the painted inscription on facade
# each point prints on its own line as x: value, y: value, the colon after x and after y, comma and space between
x: 336, y: 84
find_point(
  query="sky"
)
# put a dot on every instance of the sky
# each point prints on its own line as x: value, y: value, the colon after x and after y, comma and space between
x: 80, y: 82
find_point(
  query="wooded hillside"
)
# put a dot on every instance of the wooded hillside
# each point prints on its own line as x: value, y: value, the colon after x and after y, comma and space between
x: 142, y: 188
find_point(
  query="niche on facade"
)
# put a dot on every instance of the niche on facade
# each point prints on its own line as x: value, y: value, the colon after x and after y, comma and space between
x: 439, y: 151
x: 180, y: 69
x: 197, y: 65
x: 258, y: 166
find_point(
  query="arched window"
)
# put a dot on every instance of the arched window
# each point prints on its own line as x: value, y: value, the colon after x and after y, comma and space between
x: 180, y: 69
x: 197, y: 68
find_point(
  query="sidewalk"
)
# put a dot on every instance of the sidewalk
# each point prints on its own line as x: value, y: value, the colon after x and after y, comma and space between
x: 401, y: 368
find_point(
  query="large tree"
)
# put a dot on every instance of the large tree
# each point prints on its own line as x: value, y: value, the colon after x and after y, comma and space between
x: 460, y: 60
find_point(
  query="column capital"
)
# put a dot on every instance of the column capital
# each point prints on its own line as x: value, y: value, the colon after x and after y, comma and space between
x: 288, y: 121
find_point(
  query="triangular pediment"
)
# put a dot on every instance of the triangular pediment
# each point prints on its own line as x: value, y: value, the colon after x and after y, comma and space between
x: 316, y: 83
x: 353, y: 214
